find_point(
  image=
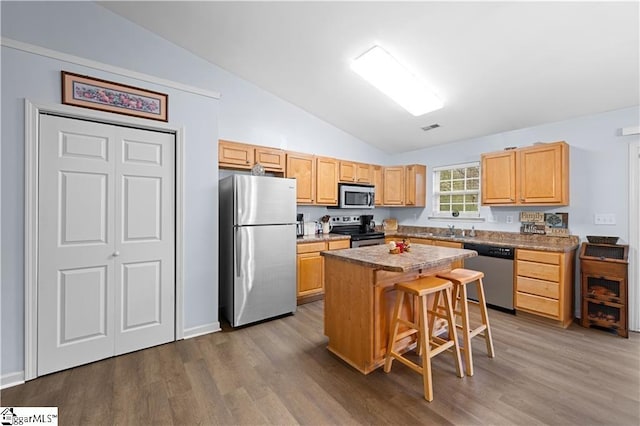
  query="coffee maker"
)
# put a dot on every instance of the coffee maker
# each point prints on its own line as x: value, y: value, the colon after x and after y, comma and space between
x: 300, y: 225
x: 367, y: 224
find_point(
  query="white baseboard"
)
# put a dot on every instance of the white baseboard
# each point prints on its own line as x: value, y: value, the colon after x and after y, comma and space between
x: 201, y: 329
x: 12, y: 379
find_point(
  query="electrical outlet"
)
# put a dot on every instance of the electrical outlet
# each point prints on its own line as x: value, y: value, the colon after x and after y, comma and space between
x: 509, y: 219
x: 604, y: 219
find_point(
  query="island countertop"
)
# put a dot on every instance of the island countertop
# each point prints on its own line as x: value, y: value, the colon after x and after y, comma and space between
x: 418, y: 258
x: 360, y: 296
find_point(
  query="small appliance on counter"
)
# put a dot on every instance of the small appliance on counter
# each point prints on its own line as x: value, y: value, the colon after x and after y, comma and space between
x: 300, y: 225
x: 310, y: 228
x: 367, y: 224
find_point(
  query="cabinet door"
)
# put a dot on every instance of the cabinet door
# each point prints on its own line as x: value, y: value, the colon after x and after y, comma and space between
x: 543, y: 175
x: 236, y: 155
x: 347, y: 171
x: 393, y: 192
x: 378, y: 178
x: 310, y: 273
x: 271, y: 159
x: 499, y: 178
x: 302, y: 168
x: 326, y: 181
x: 363, y: 173
x: 415, y: 186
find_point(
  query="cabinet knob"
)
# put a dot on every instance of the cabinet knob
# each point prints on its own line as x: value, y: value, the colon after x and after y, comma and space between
x: 116, y: 253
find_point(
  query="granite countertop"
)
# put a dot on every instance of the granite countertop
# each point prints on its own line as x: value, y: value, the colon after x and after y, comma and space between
x: 315, y: 238
x: 500, y: 239
x: 420, y: 257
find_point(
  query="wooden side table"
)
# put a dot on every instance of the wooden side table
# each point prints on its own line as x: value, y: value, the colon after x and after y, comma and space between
x: 604, y: 285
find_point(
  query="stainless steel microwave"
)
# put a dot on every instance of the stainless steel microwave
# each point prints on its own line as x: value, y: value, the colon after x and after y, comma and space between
x: 354, y: 196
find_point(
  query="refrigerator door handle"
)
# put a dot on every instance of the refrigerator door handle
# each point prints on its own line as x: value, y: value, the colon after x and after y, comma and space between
x: 238, y: 253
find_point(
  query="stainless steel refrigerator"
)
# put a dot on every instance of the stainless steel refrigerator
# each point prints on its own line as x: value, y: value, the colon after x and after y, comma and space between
x: 257, y: 247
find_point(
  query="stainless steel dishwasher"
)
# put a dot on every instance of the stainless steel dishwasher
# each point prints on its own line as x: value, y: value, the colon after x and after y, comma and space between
x: 497, y: 265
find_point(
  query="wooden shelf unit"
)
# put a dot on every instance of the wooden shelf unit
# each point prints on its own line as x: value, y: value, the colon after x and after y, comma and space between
x: 604, y: 286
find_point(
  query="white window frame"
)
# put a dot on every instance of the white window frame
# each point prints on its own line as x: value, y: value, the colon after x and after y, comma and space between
x: 436, y: 213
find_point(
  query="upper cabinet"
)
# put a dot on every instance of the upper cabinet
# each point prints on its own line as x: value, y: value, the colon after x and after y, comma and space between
x: 393, y: 191
x: 302, y: 168
x: 327, y: 181
x: 377, y: 173
x: 415, y: 186
x: 499, y: 177
x: 235, y: 154
x: 242, y: 156
x: 536, y: 176
x: 405, y: 186
x: 355, y: 172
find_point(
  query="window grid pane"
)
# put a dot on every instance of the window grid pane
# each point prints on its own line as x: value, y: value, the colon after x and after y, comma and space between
x: 457, y: 188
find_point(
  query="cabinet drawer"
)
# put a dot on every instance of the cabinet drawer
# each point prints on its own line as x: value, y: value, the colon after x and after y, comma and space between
x: 340, y: 244
x: 424, y: 241
x: 541, y: 271
x: 537, y: 304
x: 311, y: 247
x: 451, y: 244
x: 538, y: 287
x: 599, y: 269
x: 539, y: 256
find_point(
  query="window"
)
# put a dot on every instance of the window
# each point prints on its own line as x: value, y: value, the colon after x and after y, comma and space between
x: 457, y: 189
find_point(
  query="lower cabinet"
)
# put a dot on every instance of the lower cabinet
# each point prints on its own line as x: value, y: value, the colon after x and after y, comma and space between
x: 310, y: 268
x: 544, y: 284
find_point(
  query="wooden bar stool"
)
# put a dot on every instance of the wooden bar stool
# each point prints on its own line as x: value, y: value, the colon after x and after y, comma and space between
x: 428, y: 346
x: 460, y: 278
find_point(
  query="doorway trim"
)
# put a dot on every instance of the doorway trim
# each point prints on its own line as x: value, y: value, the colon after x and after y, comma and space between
x: 634, y: 236
x: 32, y: 111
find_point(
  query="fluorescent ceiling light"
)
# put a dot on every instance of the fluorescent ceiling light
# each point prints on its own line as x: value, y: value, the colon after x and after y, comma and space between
x: 390, y: 77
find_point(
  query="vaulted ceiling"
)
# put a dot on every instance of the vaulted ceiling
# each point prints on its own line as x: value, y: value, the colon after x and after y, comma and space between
x: 498, y: 66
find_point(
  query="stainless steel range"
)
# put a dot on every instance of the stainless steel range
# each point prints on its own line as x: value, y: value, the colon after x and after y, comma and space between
x: 361, y: 229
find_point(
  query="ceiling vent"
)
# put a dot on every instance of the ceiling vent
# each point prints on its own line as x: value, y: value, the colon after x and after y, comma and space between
x: 430, y: 127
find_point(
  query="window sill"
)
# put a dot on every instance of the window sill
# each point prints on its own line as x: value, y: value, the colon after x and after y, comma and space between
x: 456, y: 219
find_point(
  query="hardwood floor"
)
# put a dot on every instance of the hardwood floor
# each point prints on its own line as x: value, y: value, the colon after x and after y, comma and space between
x: 279, y: 372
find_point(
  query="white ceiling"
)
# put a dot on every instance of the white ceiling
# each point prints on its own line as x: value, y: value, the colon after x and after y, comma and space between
x: 498, y: 66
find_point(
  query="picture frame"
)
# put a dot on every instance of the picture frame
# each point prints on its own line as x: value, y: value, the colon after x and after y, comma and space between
x: 94, y: 93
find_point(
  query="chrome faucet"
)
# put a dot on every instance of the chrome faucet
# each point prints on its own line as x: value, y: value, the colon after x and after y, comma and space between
x: 451, y: 230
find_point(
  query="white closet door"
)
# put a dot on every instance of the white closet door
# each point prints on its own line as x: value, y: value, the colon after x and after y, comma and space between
x: 145, y: 240
x: 98, y: 202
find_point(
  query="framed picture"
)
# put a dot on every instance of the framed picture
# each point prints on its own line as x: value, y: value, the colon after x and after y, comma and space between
x: 94, y: 93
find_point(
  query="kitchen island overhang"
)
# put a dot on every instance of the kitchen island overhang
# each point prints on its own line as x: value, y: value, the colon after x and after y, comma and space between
x: 360, y: 296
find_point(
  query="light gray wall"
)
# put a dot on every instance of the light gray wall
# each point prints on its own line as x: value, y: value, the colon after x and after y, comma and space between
x: 244, y: 113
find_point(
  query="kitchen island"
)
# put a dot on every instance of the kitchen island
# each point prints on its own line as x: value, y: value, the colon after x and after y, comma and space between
x: 360, y: 296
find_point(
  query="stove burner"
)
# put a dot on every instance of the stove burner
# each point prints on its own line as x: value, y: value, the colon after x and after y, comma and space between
x: 354, y: 232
